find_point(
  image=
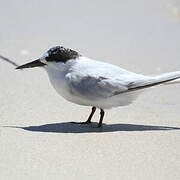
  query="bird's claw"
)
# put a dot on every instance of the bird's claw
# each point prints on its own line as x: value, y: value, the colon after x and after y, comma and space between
x: 86, y: 122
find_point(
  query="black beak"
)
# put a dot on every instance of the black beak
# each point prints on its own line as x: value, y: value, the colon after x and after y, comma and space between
x: 36, y: 63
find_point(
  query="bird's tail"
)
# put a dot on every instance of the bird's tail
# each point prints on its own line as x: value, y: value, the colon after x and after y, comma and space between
x: 168, y: 76
x: 156, y: 80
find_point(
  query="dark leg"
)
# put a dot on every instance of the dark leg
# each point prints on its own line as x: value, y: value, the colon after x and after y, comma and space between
x: 89, y: 118
x: 101, y: 118
x: 91, y: 115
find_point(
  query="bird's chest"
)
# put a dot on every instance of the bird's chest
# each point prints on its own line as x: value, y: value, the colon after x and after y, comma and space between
x: 60, y: 84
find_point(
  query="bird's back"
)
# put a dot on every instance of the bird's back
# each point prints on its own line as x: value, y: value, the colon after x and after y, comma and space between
x: 84, y: 66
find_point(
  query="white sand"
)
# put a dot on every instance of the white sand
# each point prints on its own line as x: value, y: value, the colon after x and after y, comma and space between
x: 136, y: 143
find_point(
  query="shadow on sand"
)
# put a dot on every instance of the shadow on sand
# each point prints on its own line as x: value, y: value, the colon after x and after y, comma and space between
x: 68, y: 127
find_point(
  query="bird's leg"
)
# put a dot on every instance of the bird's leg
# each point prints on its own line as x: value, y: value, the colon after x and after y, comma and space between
x: 101, y: 118
x: 91, y: 115
x: 89, y: 118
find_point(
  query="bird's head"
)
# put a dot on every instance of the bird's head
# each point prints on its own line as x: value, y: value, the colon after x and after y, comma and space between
x: 57, y: 54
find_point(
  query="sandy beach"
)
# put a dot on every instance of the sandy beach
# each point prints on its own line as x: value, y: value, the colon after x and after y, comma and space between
x: 136, y: 142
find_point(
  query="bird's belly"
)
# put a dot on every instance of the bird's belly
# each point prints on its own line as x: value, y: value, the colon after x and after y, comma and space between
x: 118, y: 100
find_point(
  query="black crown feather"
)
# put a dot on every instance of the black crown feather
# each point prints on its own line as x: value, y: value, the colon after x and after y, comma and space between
x: 61, y: 54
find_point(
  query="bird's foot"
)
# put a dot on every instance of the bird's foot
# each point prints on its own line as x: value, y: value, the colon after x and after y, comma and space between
x: 99, y: 125
x: 89, y: 124
x: 86, y: 122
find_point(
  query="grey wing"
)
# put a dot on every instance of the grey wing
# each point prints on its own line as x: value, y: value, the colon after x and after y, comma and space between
x: 93, y: 87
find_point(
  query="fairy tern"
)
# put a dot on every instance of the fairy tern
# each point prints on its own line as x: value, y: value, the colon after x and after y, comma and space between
x: 88, y: 82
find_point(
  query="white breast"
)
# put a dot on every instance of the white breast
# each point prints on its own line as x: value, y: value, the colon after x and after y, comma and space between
x: 57, y: 77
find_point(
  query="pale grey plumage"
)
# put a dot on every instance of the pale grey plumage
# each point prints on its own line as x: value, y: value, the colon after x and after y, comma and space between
x: 87, y: 82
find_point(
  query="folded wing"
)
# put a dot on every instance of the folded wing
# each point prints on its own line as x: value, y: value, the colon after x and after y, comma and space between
x: 95, y: 87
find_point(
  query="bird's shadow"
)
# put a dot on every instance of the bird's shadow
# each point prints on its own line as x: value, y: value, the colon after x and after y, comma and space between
x: 68, y: 127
